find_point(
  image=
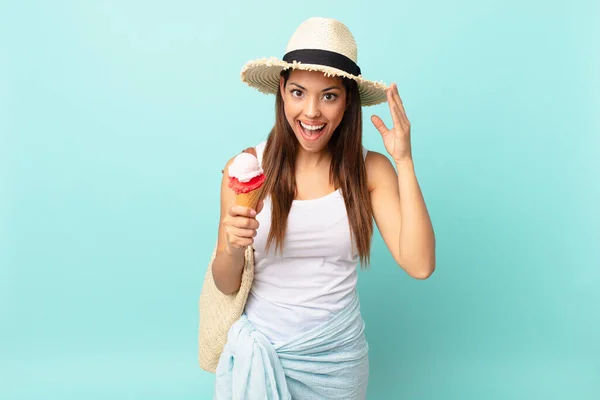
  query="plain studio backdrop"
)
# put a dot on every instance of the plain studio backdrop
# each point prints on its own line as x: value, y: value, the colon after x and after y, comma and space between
x: 116, y: 118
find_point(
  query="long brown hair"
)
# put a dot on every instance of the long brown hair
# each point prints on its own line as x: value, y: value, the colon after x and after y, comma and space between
x: 347, y: 171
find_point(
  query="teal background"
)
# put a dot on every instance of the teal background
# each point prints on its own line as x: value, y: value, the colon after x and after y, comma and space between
x: 116, y: 118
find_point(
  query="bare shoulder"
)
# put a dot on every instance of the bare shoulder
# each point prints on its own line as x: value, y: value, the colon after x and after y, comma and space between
x: 225, y: 170
x: 251, y: 150
x: 380, y: 170
x: 227, y: 195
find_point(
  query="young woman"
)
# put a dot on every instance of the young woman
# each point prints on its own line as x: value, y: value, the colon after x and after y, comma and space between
x: 301, y: 335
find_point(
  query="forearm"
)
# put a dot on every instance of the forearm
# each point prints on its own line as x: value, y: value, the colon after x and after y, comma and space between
x: 227, y: 271
x: 417, y: 240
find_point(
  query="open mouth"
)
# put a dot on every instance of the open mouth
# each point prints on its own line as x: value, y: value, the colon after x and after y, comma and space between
x: 311, y: 132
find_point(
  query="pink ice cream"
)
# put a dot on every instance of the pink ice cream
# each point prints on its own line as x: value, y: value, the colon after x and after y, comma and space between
x: 245, y: 174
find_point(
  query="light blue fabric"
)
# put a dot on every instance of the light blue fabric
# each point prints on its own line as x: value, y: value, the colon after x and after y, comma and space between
x: 328, y: 362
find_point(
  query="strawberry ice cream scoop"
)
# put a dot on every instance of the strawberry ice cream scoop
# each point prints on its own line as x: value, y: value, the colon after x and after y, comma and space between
x: 245, y: 174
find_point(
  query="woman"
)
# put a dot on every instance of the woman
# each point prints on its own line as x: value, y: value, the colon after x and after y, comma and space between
x: 302, y: 335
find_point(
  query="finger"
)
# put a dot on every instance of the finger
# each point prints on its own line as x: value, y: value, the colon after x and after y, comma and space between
x: 396, y: 115
x: 399, y: 103
x: 244, y: 223
x: 241, y: 243
x: 379, y: 124
x: 237, y: 210
x: 241, y: 232
x: 393, y: 105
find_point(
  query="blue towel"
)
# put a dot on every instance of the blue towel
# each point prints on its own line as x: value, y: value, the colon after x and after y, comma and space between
x: 327, y: 362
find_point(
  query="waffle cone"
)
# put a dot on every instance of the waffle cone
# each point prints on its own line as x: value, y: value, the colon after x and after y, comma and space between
x: 249, y: 199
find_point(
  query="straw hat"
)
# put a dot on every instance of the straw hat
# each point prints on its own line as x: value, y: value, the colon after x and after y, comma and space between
x: 318, y: 44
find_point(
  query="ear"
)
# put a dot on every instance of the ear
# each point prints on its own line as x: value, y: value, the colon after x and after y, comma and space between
x: 281, y: 86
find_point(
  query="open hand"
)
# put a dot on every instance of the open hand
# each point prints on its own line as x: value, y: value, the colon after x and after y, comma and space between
x: 397, y: 139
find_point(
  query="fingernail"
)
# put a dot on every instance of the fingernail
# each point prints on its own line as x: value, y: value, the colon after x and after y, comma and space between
x: 252, y: 212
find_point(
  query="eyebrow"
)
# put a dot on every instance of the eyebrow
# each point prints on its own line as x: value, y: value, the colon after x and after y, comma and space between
x: 324, y: 90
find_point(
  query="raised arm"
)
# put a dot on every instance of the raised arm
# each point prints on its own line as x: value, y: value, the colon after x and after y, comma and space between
x: 398, y: 205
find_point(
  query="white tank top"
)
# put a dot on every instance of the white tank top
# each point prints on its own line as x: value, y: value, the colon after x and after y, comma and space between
x: 315, y: 276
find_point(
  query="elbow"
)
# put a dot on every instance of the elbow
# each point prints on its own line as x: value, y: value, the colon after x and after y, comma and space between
x: 420, y: 270
x: 423, y: 273
x: 225, y: 287
x: 227, y: 291
x: 222, y: 284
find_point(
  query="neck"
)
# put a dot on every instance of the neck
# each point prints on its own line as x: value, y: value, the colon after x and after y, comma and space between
x: 309, y: 160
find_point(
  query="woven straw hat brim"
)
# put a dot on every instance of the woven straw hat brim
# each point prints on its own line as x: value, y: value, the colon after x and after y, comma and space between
x: 263, y: 75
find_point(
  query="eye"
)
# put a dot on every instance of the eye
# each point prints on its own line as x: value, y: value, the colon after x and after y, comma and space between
x: 296, y: 93
x: 330, y: 96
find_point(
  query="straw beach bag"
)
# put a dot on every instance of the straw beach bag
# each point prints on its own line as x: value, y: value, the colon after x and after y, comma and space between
x: 219, y: 311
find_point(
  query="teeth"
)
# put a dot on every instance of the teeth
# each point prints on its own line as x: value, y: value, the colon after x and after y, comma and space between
x: 312, y: 127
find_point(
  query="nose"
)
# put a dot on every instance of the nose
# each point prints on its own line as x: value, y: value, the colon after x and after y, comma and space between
x: 311, y: 110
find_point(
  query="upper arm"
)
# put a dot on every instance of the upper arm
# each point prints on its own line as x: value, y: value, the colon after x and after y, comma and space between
x: 227, y: 201
x: 385, y: 200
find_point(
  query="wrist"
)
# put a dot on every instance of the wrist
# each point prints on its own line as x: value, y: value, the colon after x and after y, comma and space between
x: 404, y: 162
x: 235, y: 254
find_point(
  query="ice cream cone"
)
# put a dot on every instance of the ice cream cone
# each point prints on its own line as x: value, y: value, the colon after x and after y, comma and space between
x: 246, y: 178
x: 249, y: 199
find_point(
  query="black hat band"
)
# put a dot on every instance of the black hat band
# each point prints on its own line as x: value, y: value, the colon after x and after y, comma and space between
x: 323, y: 57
